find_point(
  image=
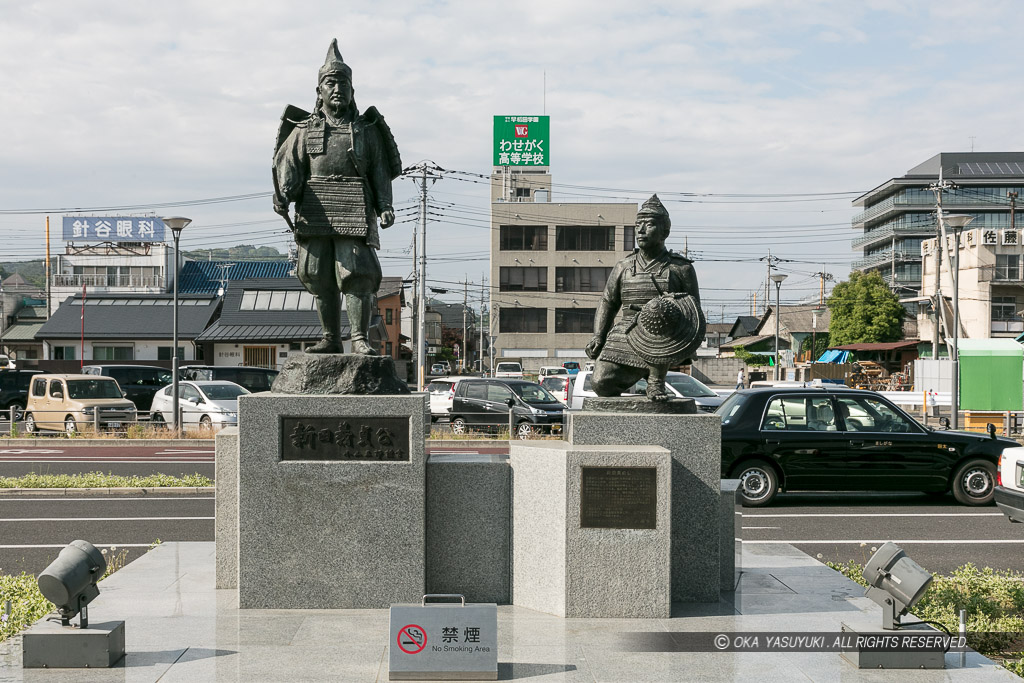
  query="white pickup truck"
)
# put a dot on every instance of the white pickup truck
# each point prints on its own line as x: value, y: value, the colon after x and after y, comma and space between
x: 1009, y: 494
x: 509, y: 370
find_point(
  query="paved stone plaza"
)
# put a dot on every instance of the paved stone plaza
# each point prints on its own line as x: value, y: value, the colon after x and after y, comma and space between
x: 180, y: 628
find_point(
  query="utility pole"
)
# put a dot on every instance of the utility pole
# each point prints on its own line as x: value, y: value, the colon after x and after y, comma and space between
x: 480, y: 323
x: 1013, y: 209
x: 823, y: 277
x: 422, y: 172
x: 465, y: 339
x: 772, y: 260
x: 940, y: 322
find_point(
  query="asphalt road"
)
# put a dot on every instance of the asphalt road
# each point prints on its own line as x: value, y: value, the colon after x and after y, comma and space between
x: 34, y: 529
x: 57, y: 459
x: 937, y: 533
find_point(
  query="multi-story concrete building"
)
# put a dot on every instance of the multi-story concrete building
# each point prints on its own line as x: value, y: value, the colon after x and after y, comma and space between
x: 898, y: 215
x: 550, y: 261
x: 111, y: 268
x: 991, y: 287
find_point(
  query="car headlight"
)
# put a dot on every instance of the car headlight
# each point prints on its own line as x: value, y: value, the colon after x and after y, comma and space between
x: 227, y: 414
x: 88, y: 411
x: 536, y: 411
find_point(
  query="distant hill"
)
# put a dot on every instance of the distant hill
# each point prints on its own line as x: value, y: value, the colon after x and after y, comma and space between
x: 241, y: 252
x: 33, y: 271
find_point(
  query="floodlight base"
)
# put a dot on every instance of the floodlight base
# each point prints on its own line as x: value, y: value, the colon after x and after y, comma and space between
x: 48, y: 645
x: 869, y: 658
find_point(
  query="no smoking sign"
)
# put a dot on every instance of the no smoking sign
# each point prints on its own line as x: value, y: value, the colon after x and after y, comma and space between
x: 411, y: 639
x: 443, y: 641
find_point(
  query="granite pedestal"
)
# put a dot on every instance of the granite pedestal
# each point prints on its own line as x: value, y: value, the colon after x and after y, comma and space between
x: 694, y: 440
x: 335, y: 526
x: 566, y: 561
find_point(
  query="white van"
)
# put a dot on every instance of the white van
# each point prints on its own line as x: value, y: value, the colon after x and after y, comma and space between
x: 509, y: 370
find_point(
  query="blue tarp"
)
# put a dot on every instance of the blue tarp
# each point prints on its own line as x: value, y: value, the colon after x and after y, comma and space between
x: 834, y: 356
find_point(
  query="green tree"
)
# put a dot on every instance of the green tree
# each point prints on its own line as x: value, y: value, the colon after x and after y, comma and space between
x: 821, y: 344
x: 864, y: 309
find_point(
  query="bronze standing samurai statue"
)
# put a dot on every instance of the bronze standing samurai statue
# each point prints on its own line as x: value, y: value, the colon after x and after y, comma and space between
x: 662, y: 323
x: 336, y: 165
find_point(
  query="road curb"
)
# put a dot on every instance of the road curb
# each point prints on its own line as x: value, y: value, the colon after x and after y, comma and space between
x: 134, y: 491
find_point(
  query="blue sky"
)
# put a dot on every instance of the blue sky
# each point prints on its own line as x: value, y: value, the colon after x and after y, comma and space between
x: 137, y: 103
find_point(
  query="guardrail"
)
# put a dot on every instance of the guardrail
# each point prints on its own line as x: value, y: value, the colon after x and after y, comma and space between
x: 14, y: 422
x: 497, y: 424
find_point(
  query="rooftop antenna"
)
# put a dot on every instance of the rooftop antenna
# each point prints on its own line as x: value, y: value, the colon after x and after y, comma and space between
x: 972, y: 142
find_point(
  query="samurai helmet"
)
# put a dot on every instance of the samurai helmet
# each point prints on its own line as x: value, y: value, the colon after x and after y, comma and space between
x: 654, y: 208
x: 334, y: 64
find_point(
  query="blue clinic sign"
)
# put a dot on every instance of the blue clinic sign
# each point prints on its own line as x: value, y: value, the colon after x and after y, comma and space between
x: 113, y: 229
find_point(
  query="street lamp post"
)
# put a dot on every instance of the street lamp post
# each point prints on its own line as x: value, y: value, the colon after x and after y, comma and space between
x: 958, y: 222
x: 777, y: 279
x: 814, y: 331
x: 176, y: 224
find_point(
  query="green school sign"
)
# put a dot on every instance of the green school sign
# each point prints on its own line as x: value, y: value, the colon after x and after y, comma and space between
x: 522, y: 140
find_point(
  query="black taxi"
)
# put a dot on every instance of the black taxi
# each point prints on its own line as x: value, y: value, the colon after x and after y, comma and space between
x: 838, y: 439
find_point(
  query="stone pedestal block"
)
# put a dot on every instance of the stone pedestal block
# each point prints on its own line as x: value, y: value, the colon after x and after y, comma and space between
x: 468, y: 518
x: 568, y: 557
x: 730, y: 541
x: 695, y: 443
x: 226, y: 508
x: 331, y: 510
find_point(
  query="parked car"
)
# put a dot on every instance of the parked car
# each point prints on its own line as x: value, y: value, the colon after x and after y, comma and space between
x: 509, y: 370
x: 65, y: 402
x: 207, y: 403
x: 679, y: 385
x: 571, y: 366
x: 485, y: 403
x: 837, y: 439
x: 1009, y: 495
x: 551, y: 370
x: 139, y: 382
x: 6, y: 363
x: 442, y: 393
x: 558, y: 385
x: 438, y: 369
x: 253, y: 379
x: 14, y: 386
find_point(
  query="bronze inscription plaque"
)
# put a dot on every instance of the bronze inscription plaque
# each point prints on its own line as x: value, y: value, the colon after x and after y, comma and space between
x: 382, y: 439
x: 619, y: 498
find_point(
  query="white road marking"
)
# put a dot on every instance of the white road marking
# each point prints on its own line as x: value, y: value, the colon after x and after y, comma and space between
x: 762, y: 527
x: 97, y: 499
x: 48, y: 461
x: 98, y: 519
x: 881, y: 541
x: 181, y: 451
x: 64, y: 545
x: 27, y: 450
x: 884, y: 514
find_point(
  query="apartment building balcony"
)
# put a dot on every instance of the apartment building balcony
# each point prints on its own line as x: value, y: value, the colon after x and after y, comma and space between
x: 125, y: 281
x: 1014, y: 325
x: 902, y: 279
x: 895, y: 204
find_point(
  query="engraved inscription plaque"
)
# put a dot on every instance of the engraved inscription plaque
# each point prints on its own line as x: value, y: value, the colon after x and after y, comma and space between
x: 619, y: 498
x: 383, y: 439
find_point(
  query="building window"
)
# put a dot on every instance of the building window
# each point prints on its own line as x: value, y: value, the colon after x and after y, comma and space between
x: 522, y: 193
x: 908, y: 272
x: 524, y: 237
x: 523, y: 279
x: 64, y: 352
x: 517, y: 319
x: 388, y: 348
x: 389, y: 316
x: 113, y: 352
x: 584, y: 238
x: 164, y: 352
x: 628, y: 238
x: 574, y: 320
x: 1004, y: 307
x: 1007, y: 266
x: 581, y: 279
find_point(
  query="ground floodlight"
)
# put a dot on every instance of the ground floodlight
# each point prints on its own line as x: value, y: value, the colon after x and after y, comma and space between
x: 70, y: 581
x: 895, y: 582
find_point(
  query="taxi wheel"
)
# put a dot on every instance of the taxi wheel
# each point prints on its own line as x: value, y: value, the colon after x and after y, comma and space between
x: 758, y: 483
x: 69, y: 425
x: 974, y: 482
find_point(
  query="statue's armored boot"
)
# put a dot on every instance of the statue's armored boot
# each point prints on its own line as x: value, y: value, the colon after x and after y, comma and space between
x: 329, y: 311
x: 359, y: 310
x: 656, y: 389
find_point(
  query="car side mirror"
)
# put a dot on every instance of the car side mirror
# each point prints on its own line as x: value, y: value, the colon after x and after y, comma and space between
x: 194, y: 401
x: 991, y: 430
x: 944, y: 422
x: 124, y: 394
x: 510, y: 402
